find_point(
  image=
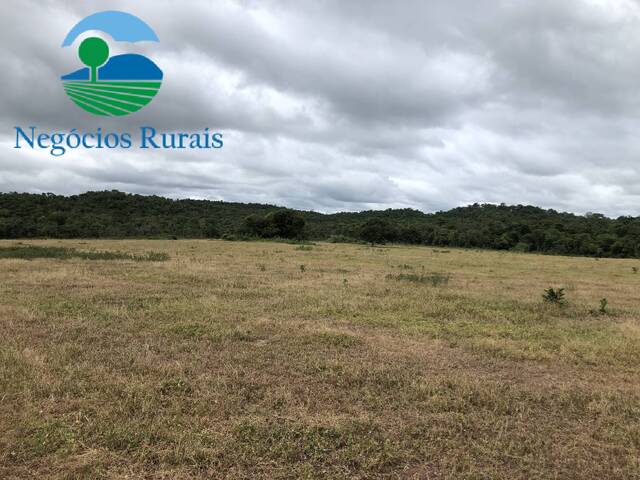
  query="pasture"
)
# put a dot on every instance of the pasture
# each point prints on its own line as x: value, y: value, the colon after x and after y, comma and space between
x: 213, y: 359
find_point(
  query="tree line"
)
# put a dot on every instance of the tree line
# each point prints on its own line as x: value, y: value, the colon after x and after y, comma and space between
x: 114, y: 214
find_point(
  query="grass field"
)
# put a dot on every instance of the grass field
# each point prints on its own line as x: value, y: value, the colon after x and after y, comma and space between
x: 111, y: 98
x: 266, y: 360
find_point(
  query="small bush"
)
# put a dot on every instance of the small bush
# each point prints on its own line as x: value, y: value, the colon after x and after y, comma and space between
x: 554, y: 295
x: 304, y: 248
x: 603, y: 308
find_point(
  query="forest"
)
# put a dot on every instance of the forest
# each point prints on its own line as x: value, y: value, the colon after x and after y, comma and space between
x: 114, y: 214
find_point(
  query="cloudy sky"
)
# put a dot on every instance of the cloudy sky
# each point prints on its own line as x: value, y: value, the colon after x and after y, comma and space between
x: 350, y: 105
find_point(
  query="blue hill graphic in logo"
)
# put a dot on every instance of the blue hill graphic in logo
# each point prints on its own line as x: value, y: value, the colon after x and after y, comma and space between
x: 121, y: 67
x: 115, y: 86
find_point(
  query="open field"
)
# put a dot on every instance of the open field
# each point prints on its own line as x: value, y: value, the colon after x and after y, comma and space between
x: 266, y: 360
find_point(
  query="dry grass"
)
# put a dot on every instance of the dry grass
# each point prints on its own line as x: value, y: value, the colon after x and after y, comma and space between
x: 262, y: 360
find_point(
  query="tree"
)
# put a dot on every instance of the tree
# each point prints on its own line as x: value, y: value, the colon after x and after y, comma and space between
x: 282, y: 223
x: 122, y: 215
x: 93, y: 52
x: 287, y: 223
x: 257, y: 226
x: 209, y: 228
x: 376, y: 230
x: 410, y: 235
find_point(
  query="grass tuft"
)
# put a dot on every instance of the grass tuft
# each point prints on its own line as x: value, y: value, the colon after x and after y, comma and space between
x: 433, y: 279
x: 31, y: 252
x: 334, y: 339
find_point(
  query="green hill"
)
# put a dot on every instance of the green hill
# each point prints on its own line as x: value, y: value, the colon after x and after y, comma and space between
x: 115, y: 214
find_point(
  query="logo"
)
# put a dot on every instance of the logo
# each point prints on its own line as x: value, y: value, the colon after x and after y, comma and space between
x: 117, y: 85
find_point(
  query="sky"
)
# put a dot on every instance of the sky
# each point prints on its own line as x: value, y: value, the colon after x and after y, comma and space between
x: 335, y: 105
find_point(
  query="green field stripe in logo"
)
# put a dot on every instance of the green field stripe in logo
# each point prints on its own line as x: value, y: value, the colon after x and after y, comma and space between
x: 87, y: 107
x: 115, y: 83
x: 107, y: 102
x: 84, y: 103
x: 140, y: 101
x: 106, y: 86
x: 99, y: 104
x: 108, y: 91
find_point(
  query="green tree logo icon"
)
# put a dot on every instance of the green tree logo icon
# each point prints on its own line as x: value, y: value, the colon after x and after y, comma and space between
x: 93, y: 52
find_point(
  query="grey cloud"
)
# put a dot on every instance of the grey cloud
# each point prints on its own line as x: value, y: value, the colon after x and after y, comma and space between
x: 337, y: 105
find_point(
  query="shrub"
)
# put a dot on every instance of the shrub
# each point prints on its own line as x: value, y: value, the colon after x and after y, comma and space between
x: 603, y: 308
x: 554, y: 295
